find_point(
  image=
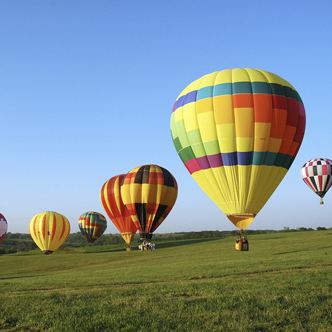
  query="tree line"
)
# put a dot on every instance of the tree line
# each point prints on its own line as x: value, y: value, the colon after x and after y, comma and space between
x: 18, y: 242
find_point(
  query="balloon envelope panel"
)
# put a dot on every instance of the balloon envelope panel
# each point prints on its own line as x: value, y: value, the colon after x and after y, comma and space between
x: 112, y: 203
x: 92, y: 225
x: 317, y: 174
x: 238, y: 132
x: 149, y: 192
x: 3, y: 227
x: 49, y: 230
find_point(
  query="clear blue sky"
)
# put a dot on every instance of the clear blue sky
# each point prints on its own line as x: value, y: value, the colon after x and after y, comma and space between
x: 87, y: 89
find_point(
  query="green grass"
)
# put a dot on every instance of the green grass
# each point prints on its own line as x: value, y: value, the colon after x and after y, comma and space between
x: 283, y: 283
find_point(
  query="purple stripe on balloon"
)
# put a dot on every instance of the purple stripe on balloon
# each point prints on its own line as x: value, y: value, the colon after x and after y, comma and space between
x: 174, y: 106
x: 204, y: 162
x: 215, y: 160
x: 219, y: 160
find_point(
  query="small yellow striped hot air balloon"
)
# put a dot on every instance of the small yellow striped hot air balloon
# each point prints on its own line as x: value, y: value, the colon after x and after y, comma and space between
x: 49, y: 230
x: 110, y: 197
x: 149, y: 193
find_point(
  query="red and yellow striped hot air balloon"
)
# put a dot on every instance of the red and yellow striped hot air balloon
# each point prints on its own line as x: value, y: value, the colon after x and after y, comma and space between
x: 49, y: 230
x: 238, y: 131
x: 149, y: 192
x: 110, y: 197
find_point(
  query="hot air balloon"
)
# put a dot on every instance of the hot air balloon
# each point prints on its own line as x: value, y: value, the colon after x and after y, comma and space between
x: 110, y: 197
x: 149, y: 193
x: 317, y: 174
x: 49, y: 230
x: 238, y: 131
x: 3, y: 227
x: 92, y: 225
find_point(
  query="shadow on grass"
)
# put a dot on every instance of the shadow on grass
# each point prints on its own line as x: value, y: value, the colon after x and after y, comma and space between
x: 171, y: 244
x: 19, y: 277
x: 272, y: 238
x: 106, y: 250
x: 288, y: 252
x: 161, y: 245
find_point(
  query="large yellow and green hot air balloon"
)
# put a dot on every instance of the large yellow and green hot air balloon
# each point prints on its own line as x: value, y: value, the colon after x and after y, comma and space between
x: 149, y: 193
x: 49, y: 230
x: 238, y: 131
x: 110, y: 197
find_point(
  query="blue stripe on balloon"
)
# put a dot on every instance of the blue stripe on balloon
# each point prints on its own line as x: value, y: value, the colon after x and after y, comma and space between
x: 258, y: 158
x: 261, y: 87
x: 180, y: 101
x: 244, y: 158
x: 222, y: 89
x: 232, y: 88
x: 237, y: 158
x: 242, y: 87
x: 204, y: 93
x: 229, y: 159
x: 190, y: 97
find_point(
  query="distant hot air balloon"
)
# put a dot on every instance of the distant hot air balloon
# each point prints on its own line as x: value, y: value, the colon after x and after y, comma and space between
x: 3, y: 227
x: 110, y: 197
x: 49, y: 230
x: 92, y: 225
x: 149, y: 193
x: 238, y: 132
x: 317, y: 174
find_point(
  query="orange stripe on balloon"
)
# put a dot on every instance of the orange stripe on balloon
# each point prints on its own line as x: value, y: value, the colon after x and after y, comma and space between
x: 263, y: 108
x: 243, y: 100
x: 63, y: 227
x: 53, y: 226
x: 43, y: 226
x: 34, y: 227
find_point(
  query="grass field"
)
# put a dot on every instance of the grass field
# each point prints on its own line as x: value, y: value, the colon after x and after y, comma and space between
x: 284, y: 283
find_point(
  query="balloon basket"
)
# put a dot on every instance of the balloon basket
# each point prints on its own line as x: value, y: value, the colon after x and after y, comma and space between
x: 241, y: 242
x: 128, y: 249
x: 238, y: 245
x: 145, y: 236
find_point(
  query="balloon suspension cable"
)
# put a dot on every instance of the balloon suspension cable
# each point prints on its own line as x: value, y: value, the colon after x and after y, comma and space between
x: 239, y: 234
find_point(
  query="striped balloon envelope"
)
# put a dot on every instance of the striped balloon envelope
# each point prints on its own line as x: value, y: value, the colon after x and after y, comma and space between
x: 3, y: 227
x: 237, y: 131
x: 317, y: 174
x: 92, y: 225
x: 49, y: 230
x: 149, y: 193
x: 110, y: 197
